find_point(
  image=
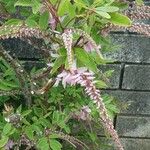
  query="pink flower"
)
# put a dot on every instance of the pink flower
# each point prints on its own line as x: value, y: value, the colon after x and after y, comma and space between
x: 89, y: 47
x: 10, y: 144
x: 84, y: 113
x: 53, y: 23
x: 68, y: 39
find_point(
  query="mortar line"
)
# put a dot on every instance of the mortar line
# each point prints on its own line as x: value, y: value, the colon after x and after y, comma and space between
x: 127, y: 137
x: 130, y: 115
x: 128, y: 90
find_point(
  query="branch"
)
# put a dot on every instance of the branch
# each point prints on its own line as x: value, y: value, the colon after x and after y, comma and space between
x: 72, y: 140
x: 53, y: 11
x: 43, y: 74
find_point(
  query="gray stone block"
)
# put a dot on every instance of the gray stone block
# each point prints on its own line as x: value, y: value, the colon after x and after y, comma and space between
x: 133, y: 48
x: 29, y: 65
x: 114, y: 79
x: 128, y: 144
x: 136, y: 144
x: 21, y: 49
x: 132, y: 103
x: 129, y: 126
x: 136, y: 77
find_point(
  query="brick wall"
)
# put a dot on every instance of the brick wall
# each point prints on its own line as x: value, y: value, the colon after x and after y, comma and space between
x: 130, y: 84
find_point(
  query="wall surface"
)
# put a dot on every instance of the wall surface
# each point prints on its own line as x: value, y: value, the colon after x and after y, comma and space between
x: 130, y: 84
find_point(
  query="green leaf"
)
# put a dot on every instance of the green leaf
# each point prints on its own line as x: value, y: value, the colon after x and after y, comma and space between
x: 97, y: 58
x: 12, y: 131
x: 54, y: 136
x: 107, y: 9
x: 29, y: 132
x: 24, y: 120
x: 43, y: 144
x: 25, y: 113
x: 10, y: 6
x: 36, y: 6
x: 43, y: 21
x: 7, y: 128
x: 8, y: 72
x: 9, y: 83
x: 108, y: 73
x: 44, y: 122
x: 122, y: 5
x: 19, y: 109
x: 93, y: 136
x: 55, y: 145
x: 113, y: 108
x: 67, y: 64
x: 4, y: 87
x: 3, y: 141
x: 62, y: 51
x: 38, y: 111
x: 119, y: 19
x: 66, y: 7
x: 31, y: 23
x: 81, y: 3
x: 13, y: 22
x: 36, y: 128
x: 101, y: 84
x: 62, y: 8
x: 71, y: 10
x: 103, y: 14
x: 23, y: 3
x: 67, y: 129
x: 85, y: 59
x: 58, y: 62
x: 139, y: 2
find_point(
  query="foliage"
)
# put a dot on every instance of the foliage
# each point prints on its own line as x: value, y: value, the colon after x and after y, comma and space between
x: 48, y: 115
x: 71, y: 41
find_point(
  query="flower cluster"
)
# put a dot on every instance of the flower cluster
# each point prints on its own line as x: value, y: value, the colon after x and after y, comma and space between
x: 68, y: 38
x: 140, y: 28
x: 86, y: 79
x: 84, y: 114
x: 20, y: 31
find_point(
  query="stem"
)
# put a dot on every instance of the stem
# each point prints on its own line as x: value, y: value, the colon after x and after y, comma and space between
x: 46, y: 88
x: 53, y: 11
x: 43, y: 74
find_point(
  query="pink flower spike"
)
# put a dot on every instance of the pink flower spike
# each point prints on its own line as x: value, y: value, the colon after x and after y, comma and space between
x: 67, y: 37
